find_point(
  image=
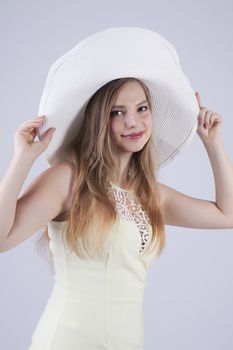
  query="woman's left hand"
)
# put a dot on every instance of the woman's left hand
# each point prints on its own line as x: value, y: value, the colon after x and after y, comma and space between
x: 209, y: 123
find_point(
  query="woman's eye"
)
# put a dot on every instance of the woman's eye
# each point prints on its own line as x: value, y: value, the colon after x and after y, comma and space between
x: 115, y: 112
x: 144, y: 107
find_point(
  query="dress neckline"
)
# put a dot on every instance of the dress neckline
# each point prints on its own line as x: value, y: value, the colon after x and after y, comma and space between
x: 119, y: 188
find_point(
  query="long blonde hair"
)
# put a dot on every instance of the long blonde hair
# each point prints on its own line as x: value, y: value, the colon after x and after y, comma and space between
x: 94, y: 166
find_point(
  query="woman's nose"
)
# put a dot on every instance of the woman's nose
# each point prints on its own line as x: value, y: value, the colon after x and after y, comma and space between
x: 130, y: 120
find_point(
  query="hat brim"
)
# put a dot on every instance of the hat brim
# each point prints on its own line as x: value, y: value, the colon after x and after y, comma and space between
x: 111, y: 54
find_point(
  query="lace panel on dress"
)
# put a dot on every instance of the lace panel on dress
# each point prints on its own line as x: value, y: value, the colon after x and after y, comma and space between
x: 130, y: 209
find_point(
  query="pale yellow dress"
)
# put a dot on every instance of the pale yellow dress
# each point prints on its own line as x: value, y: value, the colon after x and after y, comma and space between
x: 98, y: 305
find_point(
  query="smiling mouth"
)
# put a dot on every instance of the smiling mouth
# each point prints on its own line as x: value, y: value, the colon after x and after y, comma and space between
x: 134, y: 134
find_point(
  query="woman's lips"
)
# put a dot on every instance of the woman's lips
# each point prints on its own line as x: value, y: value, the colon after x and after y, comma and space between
x: 134, y: 136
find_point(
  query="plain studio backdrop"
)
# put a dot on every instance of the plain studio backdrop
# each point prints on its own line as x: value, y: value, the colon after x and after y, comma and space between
x: 188, y: 297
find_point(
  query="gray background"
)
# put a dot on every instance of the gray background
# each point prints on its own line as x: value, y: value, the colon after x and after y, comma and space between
x: 188, y: 298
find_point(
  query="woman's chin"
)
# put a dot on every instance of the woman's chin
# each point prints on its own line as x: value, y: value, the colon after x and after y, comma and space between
x: 133, y: 148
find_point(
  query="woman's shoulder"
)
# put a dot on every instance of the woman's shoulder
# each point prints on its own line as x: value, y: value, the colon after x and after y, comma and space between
x: 65, y: 171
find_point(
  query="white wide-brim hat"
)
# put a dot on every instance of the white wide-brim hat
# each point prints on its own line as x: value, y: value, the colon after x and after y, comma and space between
x: 115, y: 53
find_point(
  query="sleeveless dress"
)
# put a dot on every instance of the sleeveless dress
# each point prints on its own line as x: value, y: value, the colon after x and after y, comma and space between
x: 98, y: 305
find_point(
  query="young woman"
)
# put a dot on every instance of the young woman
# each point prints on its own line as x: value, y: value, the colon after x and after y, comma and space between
x: 105, y: 213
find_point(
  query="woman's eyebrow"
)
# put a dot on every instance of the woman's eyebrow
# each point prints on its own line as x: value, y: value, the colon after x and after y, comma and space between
x: 140, y: 103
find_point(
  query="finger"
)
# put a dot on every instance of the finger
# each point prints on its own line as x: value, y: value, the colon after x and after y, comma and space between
x: 39, y: 120
x: 39, y: 117
x: 207, y: 118
x: 211, y: 120
x: 35, y: 120
x: 47, y: 136
x: 198, y: 98
x: 32, y: 130
x: 202, y: 113
x: 216, y: 118
x: 29, y: 124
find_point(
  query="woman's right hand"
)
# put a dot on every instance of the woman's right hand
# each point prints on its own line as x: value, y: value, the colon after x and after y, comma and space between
x: 24, y: 138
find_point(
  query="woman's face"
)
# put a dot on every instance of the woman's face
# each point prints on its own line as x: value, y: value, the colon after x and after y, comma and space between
x: 131, y: 116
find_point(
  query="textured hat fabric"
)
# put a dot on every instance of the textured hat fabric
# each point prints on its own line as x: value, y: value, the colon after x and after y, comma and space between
x: 115, y: 53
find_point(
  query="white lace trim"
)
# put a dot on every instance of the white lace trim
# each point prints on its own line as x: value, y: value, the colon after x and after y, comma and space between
x: 129, y: 208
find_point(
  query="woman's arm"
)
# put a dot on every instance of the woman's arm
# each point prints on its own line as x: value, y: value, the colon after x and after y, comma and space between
x: 20, y: 217
x: 44, y: 200
x: 10, y: 187
x: 223, y: 177
x: 182, y: 210
x: 185, y: 211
